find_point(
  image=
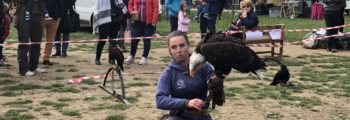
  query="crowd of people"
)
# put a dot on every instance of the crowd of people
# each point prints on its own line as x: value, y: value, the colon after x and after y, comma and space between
x: 27, y: 16
x: 141, y: 16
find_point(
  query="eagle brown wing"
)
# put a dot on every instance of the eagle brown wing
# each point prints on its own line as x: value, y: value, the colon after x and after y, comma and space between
x: 226, y: 55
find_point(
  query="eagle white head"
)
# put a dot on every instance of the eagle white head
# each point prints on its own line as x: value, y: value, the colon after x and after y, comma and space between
x: 196, y: 62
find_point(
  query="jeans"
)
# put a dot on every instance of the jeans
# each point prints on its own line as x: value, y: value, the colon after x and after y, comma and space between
x: 29, y: 31
x: 173, y: 23
x: 141, y: 29
x: 60, y: 44
x: 108, y: 30
x: 332, y: 18
x: 205, y: 24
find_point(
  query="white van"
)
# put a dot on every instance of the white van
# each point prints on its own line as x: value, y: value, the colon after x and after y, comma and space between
x: 85, y: 9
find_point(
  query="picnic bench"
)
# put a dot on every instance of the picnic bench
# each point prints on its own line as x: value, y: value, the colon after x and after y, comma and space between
x: 267, y: 34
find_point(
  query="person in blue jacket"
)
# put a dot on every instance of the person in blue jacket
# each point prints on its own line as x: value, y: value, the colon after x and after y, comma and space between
x: 207, y: 20
x: 173, y: 7
x: 183, y: 95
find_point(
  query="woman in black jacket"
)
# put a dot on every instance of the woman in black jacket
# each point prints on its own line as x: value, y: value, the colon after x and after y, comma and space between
x: 61, y: 47
x: 341, y: 13
x: 332, y: 18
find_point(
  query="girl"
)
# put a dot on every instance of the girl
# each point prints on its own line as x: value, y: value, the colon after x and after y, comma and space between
x: 61, y: 47
x: 4, y: 30
x: 184, y: 21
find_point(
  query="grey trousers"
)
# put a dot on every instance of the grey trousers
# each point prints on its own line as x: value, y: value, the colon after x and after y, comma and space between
x: 29, y: 31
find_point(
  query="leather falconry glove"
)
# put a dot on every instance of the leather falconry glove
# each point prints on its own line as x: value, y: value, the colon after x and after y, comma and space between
x: 216, y: 88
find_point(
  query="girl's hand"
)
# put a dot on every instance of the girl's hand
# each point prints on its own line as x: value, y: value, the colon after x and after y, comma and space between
x: 134, y: 12
x: 244, y: 14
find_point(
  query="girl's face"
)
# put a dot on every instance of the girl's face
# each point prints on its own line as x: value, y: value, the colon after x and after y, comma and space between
x: 185, y: 8
x: 246, y: 8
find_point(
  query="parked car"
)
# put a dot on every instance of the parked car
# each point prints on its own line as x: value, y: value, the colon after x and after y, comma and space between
x: 85, y: 8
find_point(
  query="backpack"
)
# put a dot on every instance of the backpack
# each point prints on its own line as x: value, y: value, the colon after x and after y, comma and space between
x: 311, y: 40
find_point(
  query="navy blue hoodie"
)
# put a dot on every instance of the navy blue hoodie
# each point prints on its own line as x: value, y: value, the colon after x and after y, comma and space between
x: 216, y: 6
x: 175, y: 86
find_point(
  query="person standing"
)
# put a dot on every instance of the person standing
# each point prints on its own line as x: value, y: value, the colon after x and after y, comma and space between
x: 184, y: 20
x: 341, y: 13
x: 145, y: 27
x: 332, y: 18
x: 173, y: 7
x: 183, y: 95
x: 108, y: 24
x: 4, y: 29
x: 61, y: 47
x: 208, y: 23
x: 29, y: 35
x: 51, y: 25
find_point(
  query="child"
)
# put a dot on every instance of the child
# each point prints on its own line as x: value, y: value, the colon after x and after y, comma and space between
x: 4, y: 32
x: 184, y: 21
x: 42, y: 5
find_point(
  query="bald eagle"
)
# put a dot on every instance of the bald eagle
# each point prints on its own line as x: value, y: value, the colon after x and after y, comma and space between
x: 116, y: 54
x: 225, y: 53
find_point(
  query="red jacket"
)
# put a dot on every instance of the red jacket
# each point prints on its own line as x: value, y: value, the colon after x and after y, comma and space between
x: 151, y: 10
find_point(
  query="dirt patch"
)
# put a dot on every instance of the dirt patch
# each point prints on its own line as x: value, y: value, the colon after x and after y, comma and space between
x: 90, y: 102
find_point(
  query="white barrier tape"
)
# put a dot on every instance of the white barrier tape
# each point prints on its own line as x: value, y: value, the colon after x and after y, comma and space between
x: 292, y: 30
x: 78, y: 80
x: 264, y: 45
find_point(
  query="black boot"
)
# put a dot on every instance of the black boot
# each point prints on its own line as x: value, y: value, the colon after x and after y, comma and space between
x: 56, y: 54
x: 47, y: 62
